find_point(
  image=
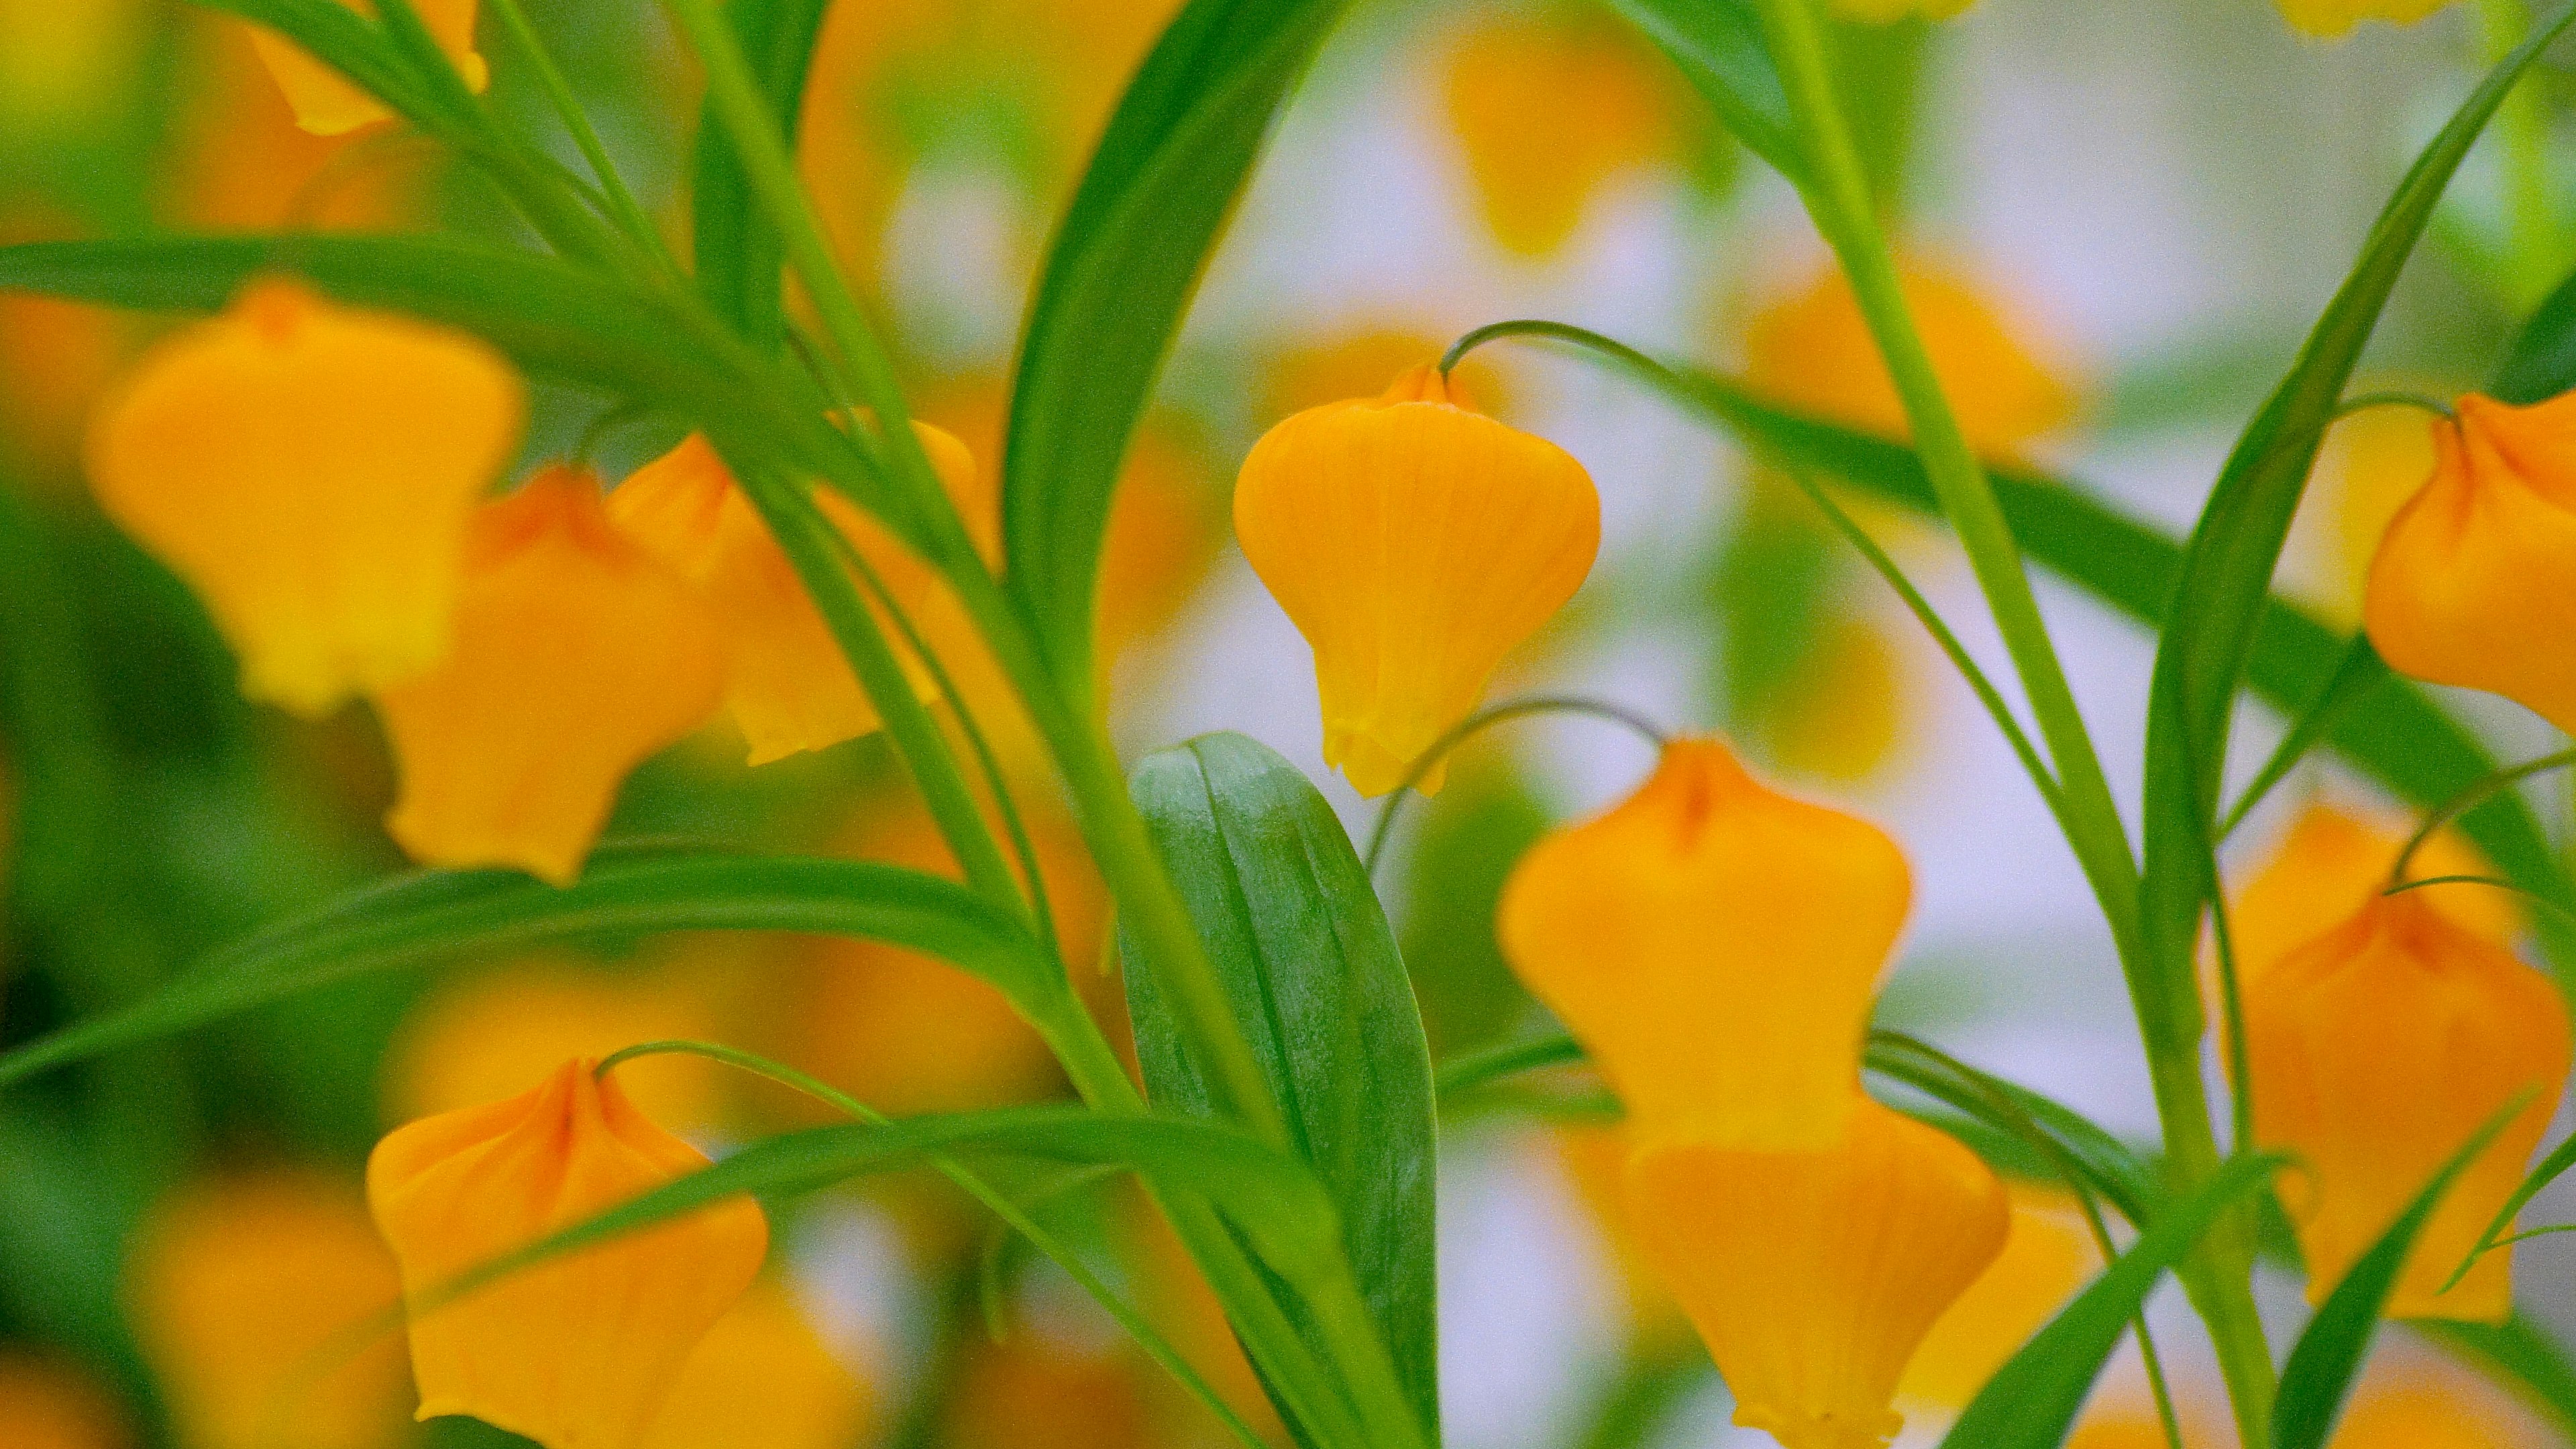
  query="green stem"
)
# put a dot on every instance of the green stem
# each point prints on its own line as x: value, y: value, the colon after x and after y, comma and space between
x: 622, y: 204
x: 1479, y: 722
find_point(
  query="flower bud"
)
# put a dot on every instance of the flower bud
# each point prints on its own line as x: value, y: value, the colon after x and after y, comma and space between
x: 2378, y: 1049
x: 576, y: 657
x: 1813, y: 1276
x: 1714, y: 946
x: 579, y: 1350
x: 309, y: 470
x: 327, y: 103
x: 1413, y: 541
x: 2475, y: 582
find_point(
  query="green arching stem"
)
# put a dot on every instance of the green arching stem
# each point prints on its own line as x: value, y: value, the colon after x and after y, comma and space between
x: 2392, y: 398
x: 2469, y: 799
x: 1476, y: 724
x: 2561, y: 909
x: 622, y: 205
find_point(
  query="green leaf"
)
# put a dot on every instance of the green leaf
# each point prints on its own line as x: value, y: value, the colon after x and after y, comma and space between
x: 2032, y: 1400
x: 2356, y: 678
x: 440, y: 914
x: 2328, y: 1355
x: 1123, y: 267
x: 2518, y: 1354
x: 349, y: 43
x: 1719, y: 46
x: 740, y: 258
x: 2541, y: 364
x: 2104, y: 1163
x: 1305, y: 954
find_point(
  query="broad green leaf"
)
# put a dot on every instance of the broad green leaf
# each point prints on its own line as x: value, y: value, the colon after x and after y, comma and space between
x: 1304, y: 952
x: 1719, y: 46
x: 442, y: 914
x: 1118, y: 278
x: 2520, y: 1355
x: 739, y: 256
x: 2328, y: 1355
x: 2032, y: 1400
x: 2223, y: 589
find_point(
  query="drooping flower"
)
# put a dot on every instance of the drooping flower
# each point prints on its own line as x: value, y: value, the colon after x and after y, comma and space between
x: 1812, y: 1276
x: 763, y: 1378
x: 328, y: 104
x: 1596, y: 1164
x: 576, y: 656
x: 2329, y: 863
x: 787, y: 684
x: 578, y: 1351
x: 2377, y: 1049
x: 2047, y: 1258
x: 2475, y: 583
x: 1714, y: 945
x: 1413, y: 541
x: 309, y: 469
x: 1548, y: 115
x: 2331, y: 18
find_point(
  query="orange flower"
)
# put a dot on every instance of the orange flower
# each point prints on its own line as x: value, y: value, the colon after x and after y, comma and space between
x: 1812, y: 350
x: 762, y: 1379
x: 2475, y: 584
x: 1714, y: 945
x: 2372, y: 462
x: 2377, y: 1049
x: 1034, y: 1388
x: 1813, y: 1276
x: 2048, y: 1257
x: 1413, y: 541
x: 1548, y: 115
x: 576, y: 657
x: 2331, y: 18
x: 787, y: 683
x: 476, y: 1039
x: 577, y: 1352
x: 309, y: 470
x: 47, y: 1403
x: 239, y: 162
x: 327, y: 104
x: 1596, y: 1163
x: 242, y: 1290
x: 2329, y: 864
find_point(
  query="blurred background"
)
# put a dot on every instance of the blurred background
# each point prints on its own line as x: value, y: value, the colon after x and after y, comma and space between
x: 2118, y: 218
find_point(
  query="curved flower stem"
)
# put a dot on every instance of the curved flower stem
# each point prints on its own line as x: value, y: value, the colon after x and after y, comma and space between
x: 2392, y: 398
x: 2470, y: 799
x: 1482, y: 720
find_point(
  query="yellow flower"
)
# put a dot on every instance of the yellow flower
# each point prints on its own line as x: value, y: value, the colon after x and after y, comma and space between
x: 577, y: 1352
x: 309, y: 469
x: 2048, y: 1256
x: 2329, y: 864
x: 787, y: 683
x: 479, y: 1038
x: 576, y: 657
x: 762, y: 1379
x: 1812, y: 350
x: 242, y: 1289
x: 1714, y: 945
x: 1812, y: 1276
x: 1548, y: 115
x: 1596, y: 1163
x: 2372, y: 462
x: 2377, y: 1049
x: 2433, y: 1405
x: 325, y: 102
x: 1413, y: 541
x: 47, y: 1403
x: 2330, y: 18
x: 2475, y: 584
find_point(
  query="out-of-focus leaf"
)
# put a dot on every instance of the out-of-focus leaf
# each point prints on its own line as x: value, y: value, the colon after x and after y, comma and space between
x: 1124, y: 264
x: 1471, y: 836
x: 2357, y: 676
x: 739, y: 255
x: 2033, y: 1399
x: 1881, y: 70
x: 1719, y: 46
x: 440, y: 914
x: 1769, y: 587
x: 64, y: 1215
x: 1306, y: 957
x: 2541, y: 364
x: 349, y: 43
x: 2518, y: 1354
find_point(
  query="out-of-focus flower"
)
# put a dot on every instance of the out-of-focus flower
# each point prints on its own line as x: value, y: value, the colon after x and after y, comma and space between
x: 240, y: 162
x: 762, y: 1378
x: 1188, y: 1313
x: 848, y: 146
x: 2432, y: 1405
x: 251, y: 1296
x: 1596, y: 1163
x: 2330, y: 18
x: 1548, y: 115
x: 2047, y: 1258
x: 2377, y: 1049
x: 48, y: 1403
x: 787, y: 683
x: 1842, y: 715
x: 1714, y: 945
x: 309, y: 469
x: 1813, y: 1276
x: 1413, y: 541
x: 483, y: 1037
x: 1888, y: 12
x: 1037, y: 1388
x: 2372, y: 462
x: 327, y: 104
x: 577, y: 1352
x: 2329, y: 863
x: 1812, y: 350
x: 576, y: 656
x: 63, y: 62
x: 2475, y: 583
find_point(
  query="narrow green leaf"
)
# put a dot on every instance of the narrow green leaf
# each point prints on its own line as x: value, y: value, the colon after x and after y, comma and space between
x: 2032, y: 1400
x: 2356, y: 678
x: 350, y: 43
x: 1123, y: 267
x: 441, y: 914
x: 2519, y: 1355
x: 2105, y: 1164
x: 2328, y: 1355
x: 1306, y: 956
x: 740, y: 258
x: 1719, y: 46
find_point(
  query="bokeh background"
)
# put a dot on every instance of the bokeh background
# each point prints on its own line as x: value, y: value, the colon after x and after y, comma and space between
x: 2120, y: 216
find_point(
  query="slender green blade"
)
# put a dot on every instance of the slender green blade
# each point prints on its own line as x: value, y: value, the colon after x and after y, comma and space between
x: 443, y: 914
x: 2032, y: 1400
x: 1305, y: 954
x: 739, y: 255
x: 1719, y: 46
x: 350, y: 43
x: 1125, y: 262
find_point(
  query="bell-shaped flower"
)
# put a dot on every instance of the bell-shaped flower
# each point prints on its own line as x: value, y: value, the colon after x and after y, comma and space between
x: 2331, y: 18
x: 2329, y: 863
x: 2048, y: 1257
x: 787, y: 684
x: 327, y: 103
x: 2475, y: 582
x: 1813, y: 1276
x: 579, y: 1350
x: 1714, y: 945
x: 2377, y: 1050
x: 577, y: 655
x: 309, y: 470
x: 1548, y: 115
x: 764, y: 1379
x: 1413, y: 541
